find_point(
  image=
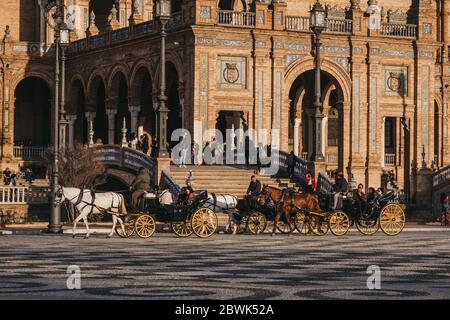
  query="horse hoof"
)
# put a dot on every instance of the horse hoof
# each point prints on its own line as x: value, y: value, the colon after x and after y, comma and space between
x: 108, y: 236
x: 86, y: 237
x: 73, y: 235
x: 272, y: 234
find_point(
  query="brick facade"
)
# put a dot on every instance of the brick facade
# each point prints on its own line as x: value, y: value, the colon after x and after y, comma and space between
x: 250, y: 62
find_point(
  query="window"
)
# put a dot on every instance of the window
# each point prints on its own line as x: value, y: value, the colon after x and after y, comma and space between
x: 389, y: 134
x: 333, y: 127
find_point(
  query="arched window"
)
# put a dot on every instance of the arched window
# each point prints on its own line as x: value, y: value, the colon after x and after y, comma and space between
x: 333, y: 127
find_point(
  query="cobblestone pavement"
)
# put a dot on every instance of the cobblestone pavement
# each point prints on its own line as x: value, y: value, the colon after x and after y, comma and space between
x: 413, y: 265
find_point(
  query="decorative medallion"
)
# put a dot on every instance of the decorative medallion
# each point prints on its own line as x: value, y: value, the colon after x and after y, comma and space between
x: 395, y: 81
x: 231, y: 73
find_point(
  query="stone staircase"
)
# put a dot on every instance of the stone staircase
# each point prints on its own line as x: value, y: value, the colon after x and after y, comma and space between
x: 224, y: 179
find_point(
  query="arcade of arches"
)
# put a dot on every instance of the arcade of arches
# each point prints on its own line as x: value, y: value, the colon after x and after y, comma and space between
x: 241, y: 64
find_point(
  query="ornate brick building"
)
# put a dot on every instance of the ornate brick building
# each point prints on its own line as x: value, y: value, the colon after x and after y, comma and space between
x: 237, y: 63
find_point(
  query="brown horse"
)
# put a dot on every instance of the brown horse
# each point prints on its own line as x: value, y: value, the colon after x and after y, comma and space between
x: 288, y: 202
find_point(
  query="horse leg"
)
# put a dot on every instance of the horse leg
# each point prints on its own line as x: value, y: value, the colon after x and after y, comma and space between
x: 121, y: 224
x: 113, y: 226
x: 275, y: 222
x: 88, y: 232
x: 288, y: 221
x: 80, y: 216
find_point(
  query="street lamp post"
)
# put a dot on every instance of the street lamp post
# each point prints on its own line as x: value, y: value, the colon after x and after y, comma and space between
x: 163, y: 11
x: 61, y: 40
x: 317, y: 25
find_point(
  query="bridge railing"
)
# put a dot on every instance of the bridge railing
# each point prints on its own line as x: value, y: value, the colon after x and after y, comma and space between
x: 124, y: 157
x: 300, y: 167
x: 441, y: 177
x: 324, y: 184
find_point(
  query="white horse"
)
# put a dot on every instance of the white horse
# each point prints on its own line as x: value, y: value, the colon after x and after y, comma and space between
x: 87, y: 202
x: 224, y: 203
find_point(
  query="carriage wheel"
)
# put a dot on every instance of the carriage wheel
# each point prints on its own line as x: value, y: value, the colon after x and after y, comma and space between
x: 182, y: 229
x: 319, y: 226
x: 392, y: 219
x: 367, y: 227
x: 204, y: 222
x: 256, y: 223
x: 129, y: 228
x: 145, y: 226
x: 301, y: 222
x: 339, y: 223
x: 284, y: 227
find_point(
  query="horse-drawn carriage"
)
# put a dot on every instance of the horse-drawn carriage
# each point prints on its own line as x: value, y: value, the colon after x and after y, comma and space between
x: 386, y: 212
x: 184, y: 220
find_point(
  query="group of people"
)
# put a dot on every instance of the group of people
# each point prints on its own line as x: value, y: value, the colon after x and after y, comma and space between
x: 10, y: 176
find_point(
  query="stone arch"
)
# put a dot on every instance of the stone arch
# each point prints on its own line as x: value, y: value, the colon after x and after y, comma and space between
x: 96, y: 76
x: 30, y: 73
x: 72, y: 91
x: 234, y: 5
x: 336, y: 76
x: 119, y: 68
x: 177, y: 62
x: 136, y: 77
x: 330, y: 67
x: 76, y: 111
x: 32, y: 105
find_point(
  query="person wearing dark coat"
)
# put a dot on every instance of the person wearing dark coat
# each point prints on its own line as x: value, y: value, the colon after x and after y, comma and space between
x: 340, y: 187
x: 145, y: 144
x: 254, y: 188
x: 140, y: 186
x: 291, y: 162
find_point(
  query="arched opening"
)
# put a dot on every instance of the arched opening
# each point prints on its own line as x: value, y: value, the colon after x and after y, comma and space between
x: 233, y: 5
x: 100, y: 123
x: 101, y: 9
x: 32, y: 113
x: 119, y: 97
x: 142, y: 88
x: 437, y: 129
x: 77, y: 108
x: 302, y: 108
x: 174, y: 120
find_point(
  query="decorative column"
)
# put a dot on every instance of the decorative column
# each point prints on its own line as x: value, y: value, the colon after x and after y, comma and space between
x: 297, y: 125
x: 124, y: 132
x: 71, y: 122
x: 134, y: 111
x: 90, y: 116
x: 111, y: 113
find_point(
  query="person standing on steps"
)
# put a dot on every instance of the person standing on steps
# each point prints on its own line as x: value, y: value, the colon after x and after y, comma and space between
x: 291, y: 162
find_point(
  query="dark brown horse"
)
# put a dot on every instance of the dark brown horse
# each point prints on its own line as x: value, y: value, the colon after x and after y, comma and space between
x: 288, y: 202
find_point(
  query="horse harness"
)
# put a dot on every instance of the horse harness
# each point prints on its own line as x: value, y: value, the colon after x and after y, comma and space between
x: 80, y: 200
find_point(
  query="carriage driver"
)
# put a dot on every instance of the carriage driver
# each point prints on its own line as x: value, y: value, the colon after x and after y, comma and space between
x: 254, y: 188
x: 140, y: 186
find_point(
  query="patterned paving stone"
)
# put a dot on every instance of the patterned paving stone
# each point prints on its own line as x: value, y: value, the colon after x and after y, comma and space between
x: 413, y: 266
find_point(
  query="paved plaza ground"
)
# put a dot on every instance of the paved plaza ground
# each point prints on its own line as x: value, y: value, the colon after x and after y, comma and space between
x: 414, y: 265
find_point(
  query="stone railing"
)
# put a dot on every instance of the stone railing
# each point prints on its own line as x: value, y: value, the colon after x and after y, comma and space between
x: 24, y: 195
x: 339, y: 26
x: 389, y: 159
x: 29, y: 153
x: 398, y: 30
x: 235, y: 18
x: 333, y: 25
x: 324, y: 184
x: 168, y: 182
x: 332, y: 158
x: 297, y: 23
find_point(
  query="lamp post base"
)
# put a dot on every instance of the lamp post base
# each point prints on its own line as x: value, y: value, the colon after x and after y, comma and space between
x: 55, y: 220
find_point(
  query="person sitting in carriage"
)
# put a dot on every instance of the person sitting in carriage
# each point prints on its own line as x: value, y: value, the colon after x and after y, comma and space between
x: 340, y: 187
x: 140, y: 186
x: 186, y: 196
x: 310, y: 182
x: 253, y: 190
x: 360, y: 198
